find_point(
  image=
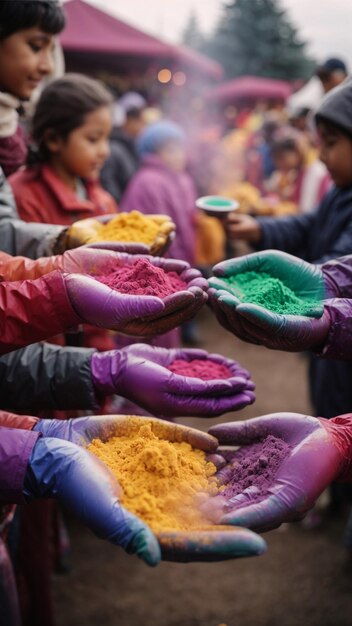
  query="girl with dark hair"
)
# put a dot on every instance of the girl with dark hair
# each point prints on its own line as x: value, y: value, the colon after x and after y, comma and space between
x: 70, y: 127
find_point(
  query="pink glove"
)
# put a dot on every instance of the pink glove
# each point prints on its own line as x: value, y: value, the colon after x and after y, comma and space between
x: 320, y: 451
x: 140, y: 373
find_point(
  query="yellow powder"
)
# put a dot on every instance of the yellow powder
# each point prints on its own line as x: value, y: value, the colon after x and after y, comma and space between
x: 131, y: 227
x: 163, y: 482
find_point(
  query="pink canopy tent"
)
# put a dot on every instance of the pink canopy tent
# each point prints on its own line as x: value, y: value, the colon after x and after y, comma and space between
x: 94, y: 38
x: 248, y: 88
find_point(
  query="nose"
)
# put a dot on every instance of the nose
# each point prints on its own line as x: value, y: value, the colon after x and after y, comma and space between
x: 46, y: 62
x: 104, y: 149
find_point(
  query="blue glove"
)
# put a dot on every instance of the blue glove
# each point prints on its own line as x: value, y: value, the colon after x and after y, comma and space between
x: 61, y: 469
x: 216, y: 543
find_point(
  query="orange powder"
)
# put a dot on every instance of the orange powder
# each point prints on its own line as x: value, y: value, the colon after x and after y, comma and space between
x: 131, y: 227
x: 163, y: 482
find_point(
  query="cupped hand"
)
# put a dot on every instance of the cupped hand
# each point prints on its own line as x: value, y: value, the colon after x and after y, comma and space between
x: 319, y: 452
x: 61, y: 469
x: 214, y: 543
x: 141, y: 374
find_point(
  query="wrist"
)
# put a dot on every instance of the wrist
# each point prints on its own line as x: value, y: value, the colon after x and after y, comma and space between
x: 340, y: 430
x: 106, y: 369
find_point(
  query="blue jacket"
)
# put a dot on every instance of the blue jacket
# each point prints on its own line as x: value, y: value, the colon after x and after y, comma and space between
x: 318, y: 237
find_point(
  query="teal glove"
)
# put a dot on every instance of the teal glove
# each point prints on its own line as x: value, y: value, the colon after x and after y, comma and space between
x: 256, y: 324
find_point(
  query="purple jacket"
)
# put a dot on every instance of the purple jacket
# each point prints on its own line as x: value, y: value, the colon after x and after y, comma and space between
x: 338, y: 282
x: 16, y: 444
x: 157, y: 189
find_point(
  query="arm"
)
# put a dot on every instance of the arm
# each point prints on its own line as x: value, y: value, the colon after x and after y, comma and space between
x: 16, y: 446
x: 17, y: 237
x: 46, y: 377
x: 34, y: 310
x: 289, y: 234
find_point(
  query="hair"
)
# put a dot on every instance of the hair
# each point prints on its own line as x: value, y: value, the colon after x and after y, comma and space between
x: 288, y: 140
x: 331, y: 127
x: 16, y: 15
x: 62, y: 108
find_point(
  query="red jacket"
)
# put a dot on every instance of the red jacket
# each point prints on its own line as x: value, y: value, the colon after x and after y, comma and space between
x: 41, y: 196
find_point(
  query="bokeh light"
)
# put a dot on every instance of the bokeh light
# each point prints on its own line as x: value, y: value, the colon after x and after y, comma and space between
x: 164, y: 75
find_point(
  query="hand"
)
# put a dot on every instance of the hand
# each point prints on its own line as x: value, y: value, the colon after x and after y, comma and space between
x: 216, y: 544
x: 320, y: 452
x: 87, y: 231
x: 140, y: 373
x: 243, y: 227
x: 258, y: 325
x: 65, y: 471
x: 143, y: 316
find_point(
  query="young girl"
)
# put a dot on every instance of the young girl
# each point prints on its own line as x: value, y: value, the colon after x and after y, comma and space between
x: 70, y: 127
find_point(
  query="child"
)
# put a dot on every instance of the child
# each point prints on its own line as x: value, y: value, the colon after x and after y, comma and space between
x: 300, y: 177
x: 70, y: 127
x: 324, y: 234
x: 162, y: 185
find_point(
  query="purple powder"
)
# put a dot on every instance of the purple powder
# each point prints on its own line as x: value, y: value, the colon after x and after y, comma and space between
x: 255, y: 465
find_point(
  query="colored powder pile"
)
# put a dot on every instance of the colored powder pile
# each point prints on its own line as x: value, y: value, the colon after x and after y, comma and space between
x: 163, y: 483
x: 142, y: 278
x: 206, y: 369
x: 269, y: 292
x: 254, y: 466
x: 131, y: 227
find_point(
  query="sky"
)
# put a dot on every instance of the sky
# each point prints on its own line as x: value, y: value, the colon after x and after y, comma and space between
x: 325, y: 24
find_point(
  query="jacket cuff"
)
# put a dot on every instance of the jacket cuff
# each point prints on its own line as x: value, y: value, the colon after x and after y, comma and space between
x: 23, y: 422
x: 15, y: 451
x: 62, y: 308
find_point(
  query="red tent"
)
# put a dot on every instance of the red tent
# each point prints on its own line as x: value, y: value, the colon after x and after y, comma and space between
x: 95, y: 37
x: 250, y: 88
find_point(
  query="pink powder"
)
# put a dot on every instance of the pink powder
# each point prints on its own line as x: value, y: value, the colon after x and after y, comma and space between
x: 206, y: 369
x: 253, y: 467
x: 142, y: 278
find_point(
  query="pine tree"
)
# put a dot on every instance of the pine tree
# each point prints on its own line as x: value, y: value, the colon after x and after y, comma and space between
x: 192, y: 35
x: 256, y: 37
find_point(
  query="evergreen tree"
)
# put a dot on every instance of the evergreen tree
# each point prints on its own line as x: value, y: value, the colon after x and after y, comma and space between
x: 256, y: 37
x: 192, y: 35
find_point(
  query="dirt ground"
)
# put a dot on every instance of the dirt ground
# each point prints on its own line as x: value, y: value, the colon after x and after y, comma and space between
x: 304, y: 578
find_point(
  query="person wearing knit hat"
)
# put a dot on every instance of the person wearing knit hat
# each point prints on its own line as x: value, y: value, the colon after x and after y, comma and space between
x: 331, y: 73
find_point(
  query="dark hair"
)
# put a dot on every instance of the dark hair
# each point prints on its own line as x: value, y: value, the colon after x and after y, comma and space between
x: 62, y: 107
x: 16, y: 15
x: 284, y: 144
x: 331, y: 127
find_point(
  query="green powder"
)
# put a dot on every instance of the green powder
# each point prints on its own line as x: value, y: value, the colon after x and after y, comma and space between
x: 270, y: 293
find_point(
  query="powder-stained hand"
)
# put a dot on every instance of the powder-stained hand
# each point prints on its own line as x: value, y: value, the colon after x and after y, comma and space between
x: 141, y: 373
x: 311, y: 452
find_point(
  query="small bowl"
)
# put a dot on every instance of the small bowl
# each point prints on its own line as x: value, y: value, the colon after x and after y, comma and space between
x: 217, y: 206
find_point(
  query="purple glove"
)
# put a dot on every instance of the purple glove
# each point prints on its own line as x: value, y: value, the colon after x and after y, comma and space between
x: 140, y: 373
x: 65, y: 471
x: 214, y: 544
x: 142, y: 316
x: 317, y: 452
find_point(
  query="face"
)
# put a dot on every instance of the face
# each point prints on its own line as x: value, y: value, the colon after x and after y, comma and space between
x: 26, y: 57
x: 173, y: 154
x: 288, y: 160
x: 329, y: 81
x: 336, y: 153
x: 83, y: 153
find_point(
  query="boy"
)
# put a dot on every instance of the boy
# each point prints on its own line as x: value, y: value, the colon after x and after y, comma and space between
x: 319, y: 236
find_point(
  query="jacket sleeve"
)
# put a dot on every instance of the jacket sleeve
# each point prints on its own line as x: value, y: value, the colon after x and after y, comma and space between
x: 338, y: 273
x: 289, y: 234
x: 33, y: 310
x: 18, y: 237
x: 12, y: 420
x: 21, y: 268
x: 341, y: 247
x: 47, y: 377
x: 16, y: 447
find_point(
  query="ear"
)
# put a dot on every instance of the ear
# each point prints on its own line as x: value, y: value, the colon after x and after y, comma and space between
x: 52, y: 140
